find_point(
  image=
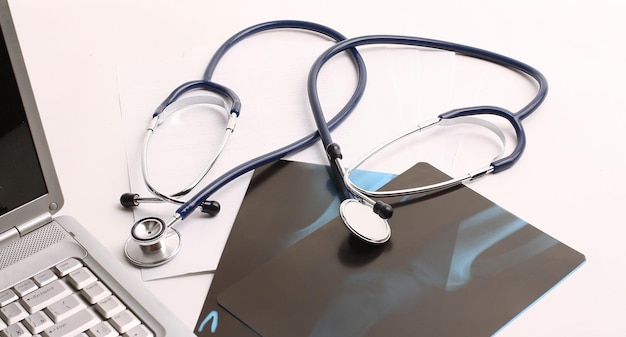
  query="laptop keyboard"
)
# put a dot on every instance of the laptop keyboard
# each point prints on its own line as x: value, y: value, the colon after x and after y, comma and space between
x: 67, y: 300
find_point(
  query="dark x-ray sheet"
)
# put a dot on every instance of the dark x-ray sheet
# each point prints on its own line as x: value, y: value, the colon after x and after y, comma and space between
x: 285, y: 202
x: 457, y: 265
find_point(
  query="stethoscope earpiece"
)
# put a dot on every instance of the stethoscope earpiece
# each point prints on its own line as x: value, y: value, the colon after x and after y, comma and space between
x: 128, y: 200
x: 210, y: 207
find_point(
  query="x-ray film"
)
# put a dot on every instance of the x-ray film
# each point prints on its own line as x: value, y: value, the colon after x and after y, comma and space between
x: 457, y: 265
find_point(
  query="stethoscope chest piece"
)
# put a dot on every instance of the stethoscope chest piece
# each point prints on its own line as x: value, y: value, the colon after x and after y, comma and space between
x: 364, y: 223
x: 152, y: 243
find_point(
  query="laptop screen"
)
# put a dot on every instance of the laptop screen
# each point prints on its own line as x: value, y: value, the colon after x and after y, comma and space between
x: 21, y: 178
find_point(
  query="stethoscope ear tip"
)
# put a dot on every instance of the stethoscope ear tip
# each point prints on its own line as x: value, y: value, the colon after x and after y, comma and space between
x: 364, y: 223
x: 129, y: 200
x: 211, y: 207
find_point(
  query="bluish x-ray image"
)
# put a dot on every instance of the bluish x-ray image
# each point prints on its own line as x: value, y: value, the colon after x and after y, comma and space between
x: 276, y: 214
x: 457, y: 265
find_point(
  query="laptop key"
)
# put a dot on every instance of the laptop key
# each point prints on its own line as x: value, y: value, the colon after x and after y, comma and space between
x: 124, y: 321
x: 13, y: 313
x: 37, y: 322
x: 44, y: 277
x: 110, y: 306
x: 139, y: 331
x: 15, y: 330
x: 81, y: 278
x: 7, y: 297
x: 102, y: 329
x: 65, y: 307
x: 25, y: 287
x: 46, y: 295
x: 73, y: 325
x: 95, y: 292
x: 67, y: 267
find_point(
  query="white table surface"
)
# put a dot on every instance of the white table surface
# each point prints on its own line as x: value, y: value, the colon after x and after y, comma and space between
x: 80, y: 56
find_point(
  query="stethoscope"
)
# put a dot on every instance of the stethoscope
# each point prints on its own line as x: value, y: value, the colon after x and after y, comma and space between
x: 358, y: 206
x: 153, y: 241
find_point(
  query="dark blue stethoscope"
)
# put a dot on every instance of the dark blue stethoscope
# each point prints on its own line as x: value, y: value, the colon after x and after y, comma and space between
x: 153, y: 241
x: 356, y: 208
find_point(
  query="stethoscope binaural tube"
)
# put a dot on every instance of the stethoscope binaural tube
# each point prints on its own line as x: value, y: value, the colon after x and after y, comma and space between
x: 152, y: 241
x: 223, y: 98
x: 353, y: 215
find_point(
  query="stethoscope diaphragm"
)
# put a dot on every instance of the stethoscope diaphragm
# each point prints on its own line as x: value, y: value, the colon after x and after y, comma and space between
x: 152, y: 243
x: 363, y: 222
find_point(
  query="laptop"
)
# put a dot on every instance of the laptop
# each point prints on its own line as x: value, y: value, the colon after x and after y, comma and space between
x: 55, y: 278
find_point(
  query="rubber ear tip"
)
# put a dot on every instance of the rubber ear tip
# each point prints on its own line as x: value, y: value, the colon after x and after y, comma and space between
x: 383, y: 210
x: 211, y: 207
x: 129, y: 200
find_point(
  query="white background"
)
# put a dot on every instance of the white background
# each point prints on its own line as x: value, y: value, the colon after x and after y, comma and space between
x: 94, y: 62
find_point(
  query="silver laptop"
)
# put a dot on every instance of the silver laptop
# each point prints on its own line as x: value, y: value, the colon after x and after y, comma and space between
x: 55, y: 279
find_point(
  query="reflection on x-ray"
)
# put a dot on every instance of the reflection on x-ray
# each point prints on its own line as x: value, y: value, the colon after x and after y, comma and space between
x: 373, y: 294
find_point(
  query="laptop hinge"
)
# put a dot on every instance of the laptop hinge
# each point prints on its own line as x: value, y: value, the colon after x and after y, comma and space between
x: 9, y: 236
x: 33, y: 224
x: 15, y: 233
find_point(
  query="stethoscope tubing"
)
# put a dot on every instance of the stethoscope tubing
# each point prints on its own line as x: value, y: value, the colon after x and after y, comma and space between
x: 375, y: 232
x: 470, y: 51
x: 235, y: 106
x: 500, y: 164
x: 166, y: 241
x: 187, y: 208
x: 265, y: 26
x: 510, y: 63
